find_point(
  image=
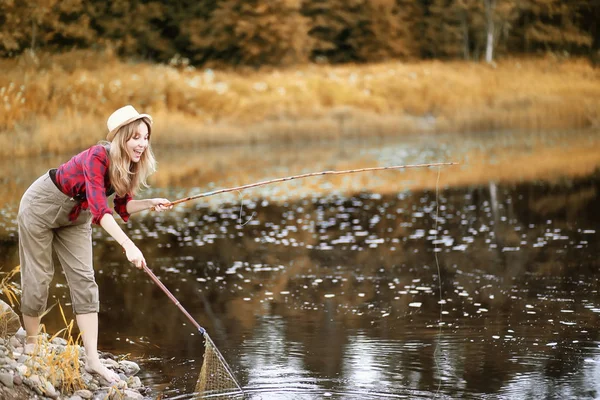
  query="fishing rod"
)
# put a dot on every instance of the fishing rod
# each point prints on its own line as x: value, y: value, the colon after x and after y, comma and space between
x: 289, y: 178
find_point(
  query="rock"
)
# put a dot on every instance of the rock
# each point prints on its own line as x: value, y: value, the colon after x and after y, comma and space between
x: 33, y: 380
x: 86, y: 377
x: 132, y: 395
x: 14, y: 342
x: 104, y: 355
x: 22, y: 370
x: 6, y: 379
x: 74, y: 397
x: 110, y: 363
x: 34, y: 383
x: 84, y: 394
x: 101, y: 395
x: 59, y: 341
x: 103, y: 383
x: 129, y: 367
x: 7, y: 361
x: 17, y: 380
x: 9, y: 321
x: 21, y: 334
x: 50, y: 390
x: 134, y: 382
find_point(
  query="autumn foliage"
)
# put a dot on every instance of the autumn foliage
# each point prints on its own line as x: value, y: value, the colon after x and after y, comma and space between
x: 288, y: 32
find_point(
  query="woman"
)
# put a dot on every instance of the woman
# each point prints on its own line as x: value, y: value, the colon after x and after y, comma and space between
x: 57, y: 212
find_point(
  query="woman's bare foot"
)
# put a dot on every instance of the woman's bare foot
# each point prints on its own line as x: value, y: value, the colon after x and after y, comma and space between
x: 31, y: 345
x: 96, y: 367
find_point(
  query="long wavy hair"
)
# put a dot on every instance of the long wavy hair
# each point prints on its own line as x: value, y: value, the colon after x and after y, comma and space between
x: 126, y: 176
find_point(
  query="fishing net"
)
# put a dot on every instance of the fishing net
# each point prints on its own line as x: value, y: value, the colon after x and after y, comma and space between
x: 216, y: 379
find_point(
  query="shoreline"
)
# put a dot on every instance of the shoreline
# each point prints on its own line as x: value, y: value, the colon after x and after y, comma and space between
x: 55, y: 103
x: 56, y: 370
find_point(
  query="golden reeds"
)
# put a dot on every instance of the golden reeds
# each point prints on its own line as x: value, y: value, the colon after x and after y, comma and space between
x: 8, y: 288
x: 59, y: 365
x: 59, y: 103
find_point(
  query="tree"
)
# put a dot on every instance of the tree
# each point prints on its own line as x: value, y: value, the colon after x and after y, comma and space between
x: 451, y: 28
x: 70, y: 25
x: 253, y: 33
x: 134, y: 27
x: 12, y: 34
x: 45, y: 24
x: 22, y: 21
x: 187, y: 23
x: 499, y: 15
x: 361, y: 30
x: 465, y: 28
x: 551, y: 25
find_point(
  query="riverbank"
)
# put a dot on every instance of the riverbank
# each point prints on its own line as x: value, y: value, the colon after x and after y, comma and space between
x: 59, y: 103
x: 55, y: 370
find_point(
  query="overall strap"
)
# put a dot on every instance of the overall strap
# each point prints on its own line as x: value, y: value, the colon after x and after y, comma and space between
x: 110, y: 191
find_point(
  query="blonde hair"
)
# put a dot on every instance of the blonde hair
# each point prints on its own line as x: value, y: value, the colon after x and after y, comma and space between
x: 128, y: 177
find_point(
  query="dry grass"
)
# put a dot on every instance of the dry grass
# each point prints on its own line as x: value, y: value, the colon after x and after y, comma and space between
x: 60, y: 103
x: 8, y: 288
x: 59, y: 365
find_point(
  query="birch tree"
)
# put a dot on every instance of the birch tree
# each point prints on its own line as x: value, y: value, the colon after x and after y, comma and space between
x: 499, y: 17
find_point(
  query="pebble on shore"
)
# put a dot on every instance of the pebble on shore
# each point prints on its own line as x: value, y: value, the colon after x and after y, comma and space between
x: 31, y: 377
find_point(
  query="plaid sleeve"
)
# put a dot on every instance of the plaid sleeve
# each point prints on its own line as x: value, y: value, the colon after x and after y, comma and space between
x: 95, y: 164
x: 121, y: 206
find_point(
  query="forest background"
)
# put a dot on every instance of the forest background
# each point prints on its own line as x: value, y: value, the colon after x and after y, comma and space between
x: 227, y: 71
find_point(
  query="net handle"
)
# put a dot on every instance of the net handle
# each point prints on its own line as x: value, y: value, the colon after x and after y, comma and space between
x: 173, y: 299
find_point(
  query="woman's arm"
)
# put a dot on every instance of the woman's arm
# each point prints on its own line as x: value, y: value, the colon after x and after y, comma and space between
x: 134, y: 255
x: 159, y: 204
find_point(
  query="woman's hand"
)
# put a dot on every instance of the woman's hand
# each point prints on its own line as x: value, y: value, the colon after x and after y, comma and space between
x: 134, y: 255
x: 160, y: 204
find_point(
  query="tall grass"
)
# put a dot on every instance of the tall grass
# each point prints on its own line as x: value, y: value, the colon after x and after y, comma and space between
x: 8, y: 287
x: 59, y: 103
x: 59, y: 364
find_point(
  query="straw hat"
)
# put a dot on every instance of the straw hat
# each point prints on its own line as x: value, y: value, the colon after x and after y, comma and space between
x: 122, y: 117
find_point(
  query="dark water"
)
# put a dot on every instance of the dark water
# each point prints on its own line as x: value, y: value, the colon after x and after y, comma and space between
x: 342, y: 296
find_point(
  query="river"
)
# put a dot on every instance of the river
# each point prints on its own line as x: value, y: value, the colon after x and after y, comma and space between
x: 476, y: 281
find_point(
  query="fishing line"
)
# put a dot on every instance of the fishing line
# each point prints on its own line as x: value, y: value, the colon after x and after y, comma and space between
x: 241, y: 208
x: 437, y: 263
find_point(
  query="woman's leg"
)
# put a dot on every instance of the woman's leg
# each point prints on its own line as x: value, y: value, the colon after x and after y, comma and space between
x: 73, y: 245
x: 32, y: 327
x: 88, y: 326
x: 35, y: 255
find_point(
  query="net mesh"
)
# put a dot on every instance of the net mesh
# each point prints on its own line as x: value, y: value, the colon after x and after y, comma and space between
x: 216, y: 379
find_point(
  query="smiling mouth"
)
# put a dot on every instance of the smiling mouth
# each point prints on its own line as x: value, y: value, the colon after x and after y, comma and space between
x: 138, y: 153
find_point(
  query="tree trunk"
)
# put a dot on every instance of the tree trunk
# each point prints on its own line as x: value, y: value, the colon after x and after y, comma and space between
x: 490, y: 5
x: 466, y: 44
x: 33, y: 33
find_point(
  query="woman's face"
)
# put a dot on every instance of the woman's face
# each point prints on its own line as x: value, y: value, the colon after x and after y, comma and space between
x: 138, y: 143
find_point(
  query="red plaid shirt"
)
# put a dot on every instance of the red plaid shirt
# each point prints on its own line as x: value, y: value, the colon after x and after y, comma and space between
x: 85, y: 177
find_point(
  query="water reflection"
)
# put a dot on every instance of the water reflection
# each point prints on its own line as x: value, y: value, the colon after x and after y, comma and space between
x: 335, y: 295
